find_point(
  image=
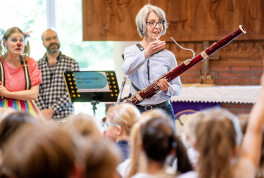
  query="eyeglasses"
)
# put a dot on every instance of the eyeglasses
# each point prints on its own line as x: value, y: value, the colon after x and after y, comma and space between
x: 106, y: 125
x: 153, y: 24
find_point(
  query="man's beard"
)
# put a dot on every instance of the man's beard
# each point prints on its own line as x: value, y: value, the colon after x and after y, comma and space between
x: 52, y: 51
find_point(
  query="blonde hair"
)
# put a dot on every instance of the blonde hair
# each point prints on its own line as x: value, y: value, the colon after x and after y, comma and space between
x: 7, y: 34
x: 190, y: 128
x: 217, y: 136
x: 84, y: 124
x: 125, y: 115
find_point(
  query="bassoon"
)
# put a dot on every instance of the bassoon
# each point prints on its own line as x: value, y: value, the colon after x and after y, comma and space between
x: 153, y: 88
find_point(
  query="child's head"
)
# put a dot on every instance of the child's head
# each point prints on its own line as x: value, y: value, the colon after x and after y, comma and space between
x: 218, y: 135
x: 101, y: 158
x: 120, y: 119
x: 12, y: 122
x: 158, y: 135
x: 190, y: 126
x: 83, y: 124
x: 40, y: 151
x: 153, y: 138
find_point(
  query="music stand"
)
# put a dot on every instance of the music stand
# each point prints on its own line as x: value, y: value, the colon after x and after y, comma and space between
x: 91, y: 86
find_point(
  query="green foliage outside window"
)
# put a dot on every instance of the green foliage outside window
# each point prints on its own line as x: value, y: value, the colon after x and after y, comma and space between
x: 31, y: 15
x: 93, y: 55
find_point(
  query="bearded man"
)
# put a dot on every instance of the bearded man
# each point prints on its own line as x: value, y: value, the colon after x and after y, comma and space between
x: 53, y: 99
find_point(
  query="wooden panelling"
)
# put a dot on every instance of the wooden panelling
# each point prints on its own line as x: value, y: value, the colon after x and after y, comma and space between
x: 188, y: 20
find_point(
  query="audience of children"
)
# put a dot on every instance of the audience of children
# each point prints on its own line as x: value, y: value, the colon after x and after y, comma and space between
x: 218, y: 141
x: 30, y: 148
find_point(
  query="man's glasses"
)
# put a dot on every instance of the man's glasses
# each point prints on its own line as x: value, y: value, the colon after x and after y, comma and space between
x: 153, y: 24
x: 106, y: 125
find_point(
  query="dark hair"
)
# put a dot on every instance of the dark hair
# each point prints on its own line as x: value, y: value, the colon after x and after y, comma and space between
x: 156, y: 132
x: 159, y: 139
x: 12, y: 122
x: 101, y: 157
x: 40, y: 151
x: 183, y: 163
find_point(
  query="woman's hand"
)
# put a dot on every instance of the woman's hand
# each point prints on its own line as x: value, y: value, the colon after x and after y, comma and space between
x: 163, y: 84
x: 31, y: 94
x: 3, y: 90
x: 154, y: 47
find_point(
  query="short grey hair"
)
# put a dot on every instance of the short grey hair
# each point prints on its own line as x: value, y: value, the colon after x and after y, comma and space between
x: 142, y: 15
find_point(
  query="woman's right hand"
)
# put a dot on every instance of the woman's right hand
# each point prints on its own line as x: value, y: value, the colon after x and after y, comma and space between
x: 154, y: 47
x: 3, y: 91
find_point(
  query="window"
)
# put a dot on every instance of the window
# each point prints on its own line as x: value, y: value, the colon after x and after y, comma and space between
x: 91, y: 55
x: 31, y: 15
x: 28, y: 16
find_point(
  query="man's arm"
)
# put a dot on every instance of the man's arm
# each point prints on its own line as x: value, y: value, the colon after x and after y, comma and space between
x: 40, y: 102
x: 63, y: 102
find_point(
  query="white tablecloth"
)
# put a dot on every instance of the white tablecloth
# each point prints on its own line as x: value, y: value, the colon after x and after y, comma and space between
x: 223, y: 94
x: 206, y: 93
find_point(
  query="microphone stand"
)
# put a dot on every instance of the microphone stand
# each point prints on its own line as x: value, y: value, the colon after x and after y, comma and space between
x: 119, y: 99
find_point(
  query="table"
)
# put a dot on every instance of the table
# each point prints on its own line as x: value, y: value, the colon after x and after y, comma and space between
x: 222, y: 94
x: 197, y: 97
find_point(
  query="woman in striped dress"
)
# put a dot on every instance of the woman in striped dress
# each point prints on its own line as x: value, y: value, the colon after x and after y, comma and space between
x: 20, y: 76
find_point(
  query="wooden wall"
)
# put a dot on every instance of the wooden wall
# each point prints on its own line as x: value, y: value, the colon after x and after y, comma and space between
x: 189, y: 20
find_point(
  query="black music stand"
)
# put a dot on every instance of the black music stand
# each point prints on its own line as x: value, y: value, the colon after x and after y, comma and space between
x: 92, y: 86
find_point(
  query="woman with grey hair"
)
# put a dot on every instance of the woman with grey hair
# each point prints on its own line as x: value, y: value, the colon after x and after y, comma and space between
x: 148, y: 60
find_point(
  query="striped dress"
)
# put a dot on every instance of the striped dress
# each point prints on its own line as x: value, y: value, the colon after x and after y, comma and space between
x: 21, y: 105
x: 20, y: 79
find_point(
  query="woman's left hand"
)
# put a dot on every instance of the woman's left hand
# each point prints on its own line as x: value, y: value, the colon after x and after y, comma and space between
x: 163, y: 84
